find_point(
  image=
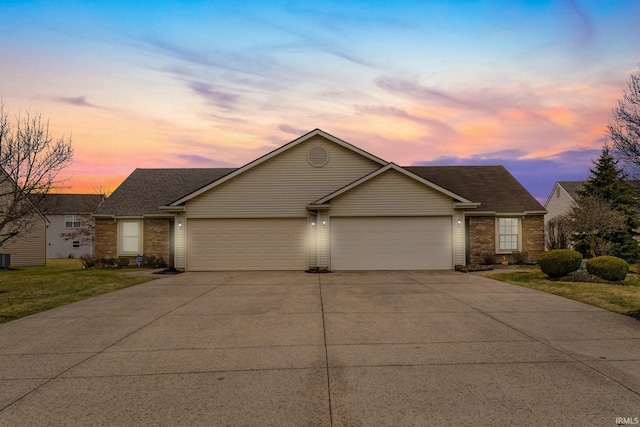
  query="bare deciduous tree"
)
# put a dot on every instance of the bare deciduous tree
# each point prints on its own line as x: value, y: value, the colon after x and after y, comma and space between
x: 558, y: 232
x: 624, y: 130
x: 593, y: 219
x: 84, y: 233
x: 30, y: 161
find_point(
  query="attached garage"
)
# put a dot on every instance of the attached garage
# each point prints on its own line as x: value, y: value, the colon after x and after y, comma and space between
x: 391, y: 243
x: 247, y: 244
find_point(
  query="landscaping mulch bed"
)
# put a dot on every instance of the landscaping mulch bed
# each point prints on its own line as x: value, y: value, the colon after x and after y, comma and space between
x: 583, y: 276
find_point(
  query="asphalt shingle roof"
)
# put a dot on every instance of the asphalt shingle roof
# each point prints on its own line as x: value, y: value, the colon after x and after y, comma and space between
x: 572, y: 187
x: 61, y: 204
x: 146, y: 189
x: 493, y: 186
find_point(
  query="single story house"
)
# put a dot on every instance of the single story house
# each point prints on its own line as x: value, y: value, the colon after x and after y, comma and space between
x: 70, y: 215
x: 562, y: 198
x: 320, y: 203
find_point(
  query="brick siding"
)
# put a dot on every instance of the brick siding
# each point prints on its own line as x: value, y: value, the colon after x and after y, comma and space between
x: 533, y: 236
x: 106, y: 239
x: 482, y: 235
x: 155, y: 238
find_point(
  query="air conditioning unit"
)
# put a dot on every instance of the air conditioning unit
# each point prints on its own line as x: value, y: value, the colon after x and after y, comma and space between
x: 5, y: 260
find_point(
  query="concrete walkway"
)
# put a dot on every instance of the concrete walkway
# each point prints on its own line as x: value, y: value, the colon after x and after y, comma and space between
x: 340, y: 349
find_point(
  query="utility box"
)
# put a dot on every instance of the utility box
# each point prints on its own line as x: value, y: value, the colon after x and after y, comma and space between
x: 5, y: 260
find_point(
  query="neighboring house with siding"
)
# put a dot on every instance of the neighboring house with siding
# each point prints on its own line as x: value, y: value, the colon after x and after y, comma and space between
x: 67, y: 213
x: 320, y: 203
x: 27, y: 248
x: 562, y: 198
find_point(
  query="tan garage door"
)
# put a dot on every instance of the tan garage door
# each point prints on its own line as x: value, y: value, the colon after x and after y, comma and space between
x: 413, y: 243
x: 247, y: 244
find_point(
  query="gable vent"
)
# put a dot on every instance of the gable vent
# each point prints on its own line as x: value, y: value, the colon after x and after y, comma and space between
x: 318, y: 156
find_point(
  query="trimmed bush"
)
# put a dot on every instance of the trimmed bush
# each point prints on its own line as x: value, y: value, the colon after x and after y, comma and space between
x: 559, y: 262
x: 608, y: 268
x: 488, y: 258
x: 123, y: 262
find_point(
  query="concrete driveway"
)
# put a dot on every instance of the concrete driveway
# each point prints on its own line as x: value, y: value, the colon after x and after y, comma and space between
x: 339, y: 349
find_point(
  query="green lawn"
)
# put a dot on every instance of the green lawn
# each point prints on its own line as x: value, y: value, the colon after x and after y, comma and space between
x: 618, y: 298
x: 31, y: 290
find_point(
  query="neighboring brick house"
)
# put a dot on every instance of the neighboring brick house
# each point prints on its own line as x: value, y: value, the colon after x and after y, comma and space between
x: 320, y: 203
x: 66, y: 213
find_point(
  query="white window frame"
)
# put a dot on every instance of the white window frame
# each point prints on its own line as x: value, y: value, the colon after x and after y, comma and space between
x: 501, y: 231
x: 74, y: 220
x: 124, y: 248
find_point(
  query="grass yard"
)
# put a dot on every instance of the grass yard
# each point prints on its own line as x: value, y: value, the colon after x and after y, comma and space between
x: 618, y: 298
x: 31, y: 290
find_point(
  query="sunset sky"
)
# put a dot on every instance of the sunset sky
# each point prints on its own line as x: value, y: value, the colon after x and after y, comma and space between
x: 160, y: 84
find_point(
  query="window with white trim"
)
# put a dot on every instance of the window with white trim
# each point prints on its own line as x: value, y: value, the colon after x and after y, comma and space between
x: 130, y: 237
x: 72, y: 221
x: 508, y: 234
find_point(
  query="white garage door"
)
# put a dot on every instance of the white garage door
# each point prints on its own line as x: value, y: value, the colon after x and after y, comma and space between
x: 247, y: 244
x: 414, y: 243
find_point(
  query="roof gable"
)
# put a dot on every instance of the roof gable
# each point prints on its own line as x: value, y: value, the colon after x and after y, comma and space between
x: 274, y: 153
x: 392, y: 166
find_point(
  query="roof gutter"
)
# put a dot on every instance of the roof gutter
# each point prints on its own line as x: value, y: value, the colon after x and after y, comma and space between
x: 180, y: 208
x: 471, y: 205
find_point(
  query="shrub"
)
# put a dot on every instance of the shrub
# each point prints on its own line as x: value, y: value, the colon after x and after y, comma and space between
x: 488, y: 258
x: 151, y: 261
x: 559, y: 262
x: 520, y: 258
x: 123, y: 262
x: 87, y: 261
x: 608, y: 268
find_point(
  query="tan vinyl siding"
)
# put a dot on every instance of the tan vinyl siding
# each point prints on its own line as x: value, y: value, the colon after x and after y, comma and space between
x: 28, y: 249
x: 180, y: 261
x: 283, y: 185
x: 392, y: 194
x: 459, y: 257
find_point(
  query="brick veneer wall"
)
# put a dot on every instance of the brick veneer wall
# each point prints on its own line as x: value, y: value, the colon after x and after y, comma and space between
x: 482, y: 235
x: 533, y: 236
x: 106, y: 239
x: 156, y: 237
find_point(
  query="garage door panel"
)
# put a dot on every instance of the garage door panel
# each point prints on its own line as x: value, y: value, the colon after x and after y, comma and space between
x: 247, y: 244
x: 391, y: 243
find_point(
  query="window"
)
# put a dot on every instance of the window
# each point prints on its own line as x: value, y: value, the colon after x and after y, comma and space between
x: 508, y: 234
x: 72, y: 221
x: 76, y: 243
x: 130, y: 237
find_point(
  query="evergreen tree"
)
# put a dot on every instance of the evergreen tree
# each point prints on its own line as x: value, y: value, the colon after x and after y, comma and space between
x: 611, y: 184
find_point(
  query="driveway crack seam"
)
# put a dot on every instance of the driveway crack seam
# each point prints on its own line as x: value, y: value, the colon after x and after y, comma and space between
x: 104, y: 349
x: 546, y: 344
x: 326, y: 352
